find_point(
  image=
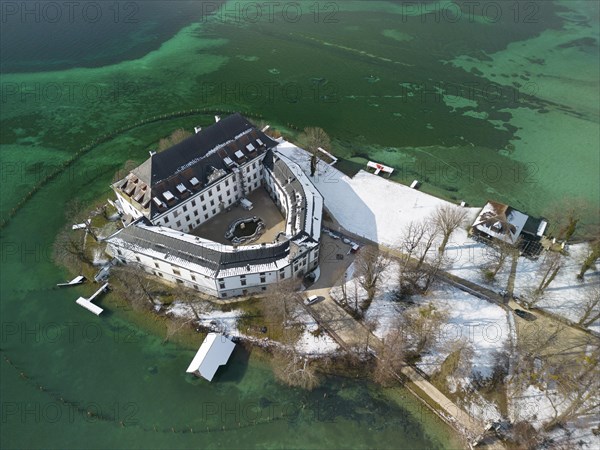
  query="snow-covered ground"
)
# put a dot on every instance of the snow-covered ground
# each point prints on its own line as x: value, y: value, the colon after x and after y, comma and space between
x: 564, y: 297
x: 482, y: 326
x: 227, y: 323
x: 380, y: 210
x: 384, y: 208
x: 534, y: 405
x: 309, y: 344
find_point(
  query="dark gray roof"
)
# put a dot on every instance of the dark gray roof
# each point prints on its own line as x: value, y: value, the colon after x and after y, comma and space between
x: 291, y: 186
x: 203, y: 255
x: 532, y: 225
x: 197, y: 157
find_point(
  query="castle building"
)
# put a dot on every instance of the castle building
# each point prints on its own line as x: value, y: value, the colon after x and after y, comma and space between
x: 177, y: 190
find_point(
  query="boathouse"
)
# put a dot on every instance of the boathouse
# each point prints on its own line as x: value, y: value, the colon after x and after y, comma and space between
x: 213, y: 353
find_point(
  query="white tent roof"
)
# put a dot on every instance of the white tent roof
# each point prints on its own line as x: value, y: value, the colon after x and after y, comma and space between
x: 214, y: 352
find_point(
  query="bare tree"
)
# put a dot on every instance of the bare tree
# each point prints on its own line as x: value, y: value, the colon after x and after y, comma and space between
x: 578, y: 384
x: 411, y: 240
x: 131, y: 283
x: 414, y: 275
x: 69, y: 246
x: 590, y: 307
x: 459, y: 362
x: 448, y: 218
x: 525, y: 435
x: 295, y: 369
x: 591, y: 258
x: 423, y: 326
x: 498, y: 253
x: 313, y: 138
x: 550, y: 267
x: 391, y: 357
x: 174, y: 325
x: 564, y: 216
x: 69, y: 249
x: 370, y: 264
x: 417, y: 241
x: 281, y: 307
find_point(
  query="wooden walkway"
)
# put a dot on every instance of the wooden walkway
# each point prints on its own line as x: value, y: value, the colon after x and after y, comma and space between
x: 353, y: 335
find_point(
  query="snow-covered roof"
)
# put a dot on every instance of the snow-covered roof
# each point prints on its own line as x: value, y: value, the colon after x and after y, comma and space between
x: 214, y: 352
x: 501, y: 222
x: 197, y: 254
x: 305, y: 201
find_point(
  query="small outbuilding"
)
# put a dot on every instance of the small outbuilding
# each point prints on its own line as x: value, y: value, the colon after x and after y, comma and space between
x: 214, y: 352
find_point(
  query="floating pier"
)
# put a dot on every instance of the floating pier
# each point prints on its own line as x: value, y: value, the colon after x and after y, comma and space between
x: 74, y: 282
x: 87, y: 302
x: 81, y: 226
x: 380, y: 168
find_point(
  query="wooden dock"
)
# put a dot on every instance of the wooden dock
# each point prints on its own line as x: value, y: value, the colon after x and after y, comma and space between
x: 87, y: 302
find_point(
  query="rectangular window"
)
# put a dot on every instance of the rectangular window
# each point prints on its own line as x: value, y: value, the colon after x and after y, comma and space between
x: 187, y: 218
x: 263, y: 280
x: 281, y: 276
x: 196, y: 213
x: 243, y: 282
x: 203, y: 207
x: 218, y: 187
x: 178, y: 223
x: 156, y: 265
x: 205, y: 216
x: 220, y: 199
x: 223, y: 295
x: 209, y: 192
x: 193, y: 277
x: 214, y: 211
x: 227, y: 182
x: 264, y: 288
x: 176, y: 272
x: 221, y: 285
x: 193, y: 203
x: 212, y: 203
x: 227, y: 193
x: 184, y: 208
x: 235, y: 188
x: 201, y: 197
x: 137, y: 258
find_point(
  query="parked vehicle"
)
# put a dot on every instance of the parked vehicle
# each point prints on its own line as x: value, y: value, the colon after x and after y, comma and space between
x: 312, y: 299
x: 525, y: 315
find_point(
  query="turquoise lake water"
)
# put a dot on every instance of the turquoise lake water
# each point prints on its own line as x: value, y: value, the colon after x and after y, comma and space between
x: 504, y: 109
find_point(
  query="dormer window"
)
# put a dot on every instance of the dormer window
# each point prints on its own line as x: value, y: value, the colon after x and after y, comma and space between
x: 250, y: 148
x: 168, y: 196
x: 181, y: 188
x: 194, y: 182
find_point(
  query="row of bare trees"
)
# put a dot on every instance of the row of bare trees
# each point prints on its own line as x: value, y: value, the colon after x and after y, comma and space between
x: 282, y: 308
